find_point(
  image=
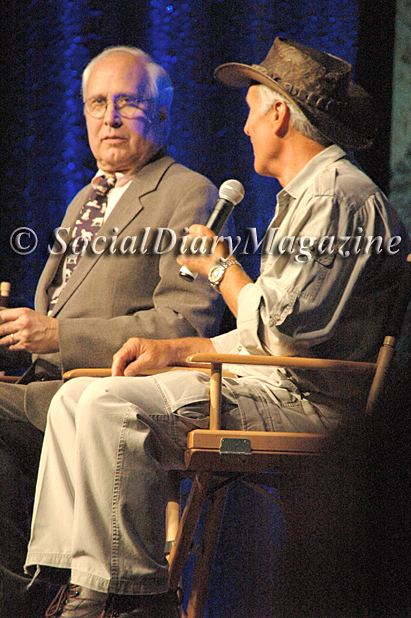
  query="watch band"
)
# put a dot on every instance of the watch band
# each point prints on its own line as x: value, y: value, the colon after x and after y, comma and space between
x: 217, y: 272
x: 229, y: 262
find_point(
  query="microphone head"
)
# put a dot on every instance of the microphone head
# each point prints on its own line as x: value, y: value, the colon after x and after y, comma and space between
x: 232, y: 191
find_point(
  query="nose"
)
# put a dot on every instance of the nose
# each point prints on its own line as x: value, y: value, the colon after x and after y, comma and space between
x: 112, y: 117
x: 245, y: 129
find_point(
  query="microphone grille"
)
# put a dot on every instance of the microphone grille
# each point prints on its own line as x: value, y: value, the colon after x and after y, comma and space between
x: 232, y: 191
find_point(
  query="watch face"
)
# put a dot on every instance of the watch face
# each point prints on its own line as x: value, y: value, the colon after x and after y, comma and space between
x: 215, y: 274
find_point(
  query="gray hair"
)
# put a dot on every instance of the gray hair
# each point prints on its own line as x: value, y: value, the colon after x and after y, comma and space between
x: 160, y: 88
x: 268, y: 97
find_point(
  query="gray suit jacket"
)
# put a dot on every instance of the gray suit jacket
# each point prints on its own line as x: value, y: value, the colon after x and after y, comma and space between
x: 111, y: 297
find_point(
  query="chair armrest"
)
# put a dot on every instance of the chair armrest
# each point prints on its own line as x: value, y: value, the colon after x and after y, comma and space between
x: 105, y: 372
x: 91, y: 372
x: 282, y: 361
x: 216, y: 362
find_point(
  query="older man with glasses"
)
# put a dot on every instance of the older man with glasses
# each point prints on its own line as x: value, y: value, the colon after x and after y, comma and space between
x: 108, y: 277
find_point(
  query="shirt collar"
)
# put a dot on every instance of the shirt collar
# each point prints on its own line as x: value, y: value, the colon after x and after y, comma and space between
x: 122, y: 178
x: 305, y: 177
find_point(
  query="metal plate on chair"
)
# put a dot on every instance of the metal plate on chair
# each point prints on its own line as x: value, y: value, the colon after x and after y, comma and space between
x: 235, y: 446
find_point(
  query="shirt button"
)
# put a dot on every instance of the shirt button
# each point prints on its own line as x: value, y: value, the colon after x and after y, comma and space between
x: 274, y: 319
x: 239, y: 347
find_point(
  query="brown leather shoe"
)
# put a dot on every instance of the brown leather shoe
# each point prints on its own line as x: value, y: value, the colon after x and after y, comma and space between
x: 74, y: 601
x: 165, y: 605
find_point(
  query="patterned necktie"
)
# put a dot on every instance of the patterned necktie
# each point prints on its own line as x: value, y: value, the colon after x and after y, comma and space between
x: 89, y: 221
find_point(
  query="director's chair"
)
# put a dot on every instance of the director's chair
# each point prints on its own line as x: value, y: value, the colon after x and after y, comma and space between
x: 278, y: 459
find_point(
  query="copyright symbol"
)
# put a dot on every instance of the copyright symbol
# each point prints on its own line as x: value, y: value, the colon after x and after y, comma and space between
x: 23, y: 240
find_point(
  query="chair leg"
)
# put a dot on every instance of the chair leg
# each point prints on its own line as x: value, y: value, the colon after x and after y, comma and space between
x: 199, y: 589
x: 173, y: 509
x: 187, y: 526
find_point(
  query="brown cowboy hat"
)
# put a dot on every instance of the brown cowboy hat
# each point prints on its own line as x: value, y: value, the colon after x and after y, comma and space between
x: 318, y: 83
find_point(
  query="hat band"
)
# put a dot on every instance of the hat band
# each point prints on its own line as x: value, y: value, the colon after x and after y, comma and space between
x: 330, y: 106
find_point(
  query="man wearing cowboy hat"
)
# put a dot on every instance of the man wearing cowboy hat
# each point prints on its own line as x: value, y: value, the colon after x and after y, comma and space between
x: 327, y: 300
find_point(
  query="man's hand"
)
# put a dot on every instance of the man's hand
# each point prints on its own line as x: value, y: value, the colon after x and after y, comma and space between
x: 202, y: 239
x: 25, y: 329
x: 201, y: 263
x: 139, y: 355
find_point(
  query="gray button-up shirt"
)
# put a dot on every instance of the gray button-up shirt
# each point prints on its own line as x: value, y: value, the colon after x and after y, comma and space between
x: 329, y: 270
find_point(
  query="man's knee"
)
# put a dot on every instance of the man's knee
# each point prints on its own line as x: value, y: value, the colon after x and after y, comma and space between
x: 68, y: 396
x: 99, y: 397
x: 77, y: 402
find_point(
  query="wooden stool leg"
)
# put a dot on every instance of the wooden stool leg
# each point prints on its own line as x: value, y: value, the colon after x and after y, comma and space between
x: 187, y: 527
x: 199, y: 589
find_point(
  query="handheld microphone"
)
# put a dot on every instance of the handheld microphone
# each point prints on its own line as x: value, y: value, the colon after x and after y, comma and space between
x: 230, y: 194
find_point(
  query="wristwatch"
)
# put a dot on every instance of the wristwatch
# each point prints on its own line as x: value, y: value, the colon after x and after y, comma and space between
x: 216, y: 274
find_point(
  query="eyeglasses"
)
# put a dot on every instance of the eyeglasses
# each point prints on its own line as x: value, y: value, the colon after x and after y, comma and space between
x: 126, y: 106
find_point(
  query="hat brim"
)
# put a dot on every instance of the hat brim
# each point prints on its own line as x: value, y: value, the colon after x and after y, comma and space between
x: 355, y: 131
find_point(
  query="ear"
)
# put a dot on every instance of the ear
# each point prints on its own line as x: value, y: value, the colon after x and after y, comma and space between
x: 281, y: 118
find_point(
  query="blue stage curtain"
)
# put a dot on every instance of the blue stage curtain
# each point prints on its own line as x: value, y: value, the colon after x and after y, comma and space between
x: 48, y: 161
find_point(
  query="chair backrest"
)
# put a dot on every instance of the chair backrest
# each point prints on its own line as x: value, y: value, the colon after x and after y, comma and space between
x: 387, y: 350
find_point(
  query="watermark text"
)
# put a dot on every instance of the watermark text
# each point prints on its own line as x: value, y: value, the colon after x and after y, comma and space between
x: 162, y: 240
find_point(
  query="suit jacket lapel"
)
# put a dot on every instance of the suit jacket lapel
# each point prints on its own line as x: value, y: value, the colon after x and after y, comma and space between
x: 127, y: 208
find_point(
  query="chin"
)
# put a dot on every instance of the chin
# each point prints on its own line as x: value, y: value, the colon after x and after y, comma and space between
x: 259, y: 169
x: 262, y: 170
x: 115, y: 163
x: 109, y: 166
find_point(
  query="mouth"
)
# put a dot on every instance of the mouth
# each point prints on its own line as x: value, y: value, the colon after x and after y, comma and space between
x: 113, y: 138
